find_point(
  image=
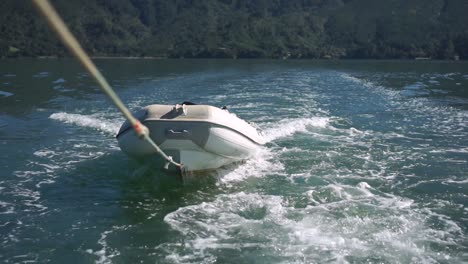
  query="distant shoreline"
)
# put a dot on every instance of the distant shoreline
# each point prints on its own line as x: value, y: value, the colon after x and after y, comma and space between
x: 208, y: 58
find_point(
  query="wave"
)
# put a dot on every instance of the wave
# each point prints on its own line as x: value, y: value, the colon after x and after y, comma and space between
x: 288, y: 127
x: 87, y: 121
x: 5, y: 94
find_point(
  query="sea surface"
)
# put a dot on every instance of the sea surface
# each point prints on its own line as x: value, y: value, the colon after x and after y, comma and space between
x: 366, y: 162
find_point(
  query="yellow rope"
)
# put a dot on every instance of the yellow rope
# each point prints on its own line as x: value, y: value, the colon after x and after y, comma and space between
x: 75, y: 48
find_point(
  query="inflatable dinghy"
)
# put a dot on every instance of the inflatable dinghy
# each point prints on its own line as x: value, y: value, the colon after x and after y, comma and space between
x: 200, y: 137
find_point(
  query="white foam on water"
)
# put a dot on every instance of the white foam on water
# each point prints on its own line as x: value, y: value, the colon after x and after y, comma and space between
x: 457, y: 182
x: 26, y: 258
x: 288, y: 127
x: 87, y: 121
x: 84, y: 145
x: 266, y: 161
x: 45, y: 153
x: 392, y: 94
x: 53, y: 159
x: 212, y: 225
x: 250, y: 106
x: 363, y: 82
x: 27, y: 174
x: 6, y: 208
x: 451, y: 150
x: 339, y: 193
x: 341, y: 221
x: 30, y: 198
x: 106, y: 253
x: 263, y: 163
x: 5, y: 94
x: 60, y: 80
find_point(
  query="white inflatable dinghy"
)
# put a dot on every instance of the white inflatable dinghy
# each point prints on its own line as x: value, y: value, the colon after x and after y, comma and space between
x: 200, y: 137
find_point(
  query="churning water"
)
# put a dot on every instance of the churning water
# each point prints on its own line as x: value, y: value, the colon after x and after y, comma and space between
x: 365, y: 162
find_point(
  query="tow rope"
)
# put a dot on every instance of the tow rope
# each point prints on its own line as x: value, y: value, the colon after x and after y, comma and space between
x: 57, y: 24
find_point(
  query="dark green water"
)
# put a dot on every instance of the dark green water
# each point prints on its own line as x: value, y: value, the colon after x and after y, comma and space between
x: 366, y: 162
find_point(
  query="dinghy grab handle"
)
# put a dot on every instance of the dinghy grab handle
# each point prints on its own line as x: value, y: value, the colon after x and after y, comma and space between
x: 57, y: 24
x: 177, y: 134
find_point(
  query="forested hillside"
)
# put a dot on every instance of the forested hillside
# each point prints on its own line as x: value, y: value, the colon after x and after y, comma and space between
x: 244, y: 28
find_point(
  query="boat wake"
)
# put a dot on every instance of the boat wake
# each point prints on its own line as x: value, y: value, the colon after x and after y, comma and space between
x: 266, y: 161
x: 288, y: 127
x: 87, y: 121
x: 270, y: 223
